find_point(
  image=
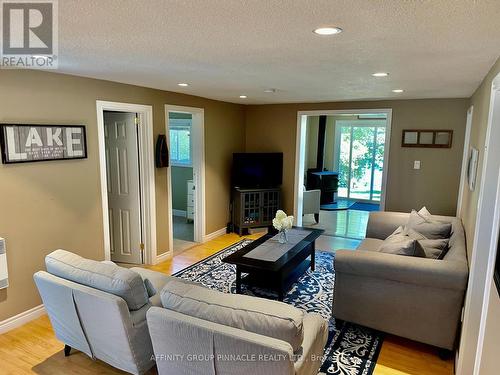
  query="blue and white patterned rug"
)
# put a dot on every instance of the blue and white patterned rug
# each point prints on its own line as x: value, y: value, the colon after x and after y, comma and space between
x: 350, y: 350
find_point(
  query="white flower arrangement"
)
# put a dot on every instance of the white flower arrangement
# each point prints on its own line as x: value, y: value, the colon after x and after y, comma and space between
x: 282, y: 222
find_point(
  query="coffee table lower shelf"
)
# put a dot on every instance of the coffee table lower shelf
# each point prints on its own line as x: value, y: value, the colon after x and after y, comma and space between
x: 278, y: 282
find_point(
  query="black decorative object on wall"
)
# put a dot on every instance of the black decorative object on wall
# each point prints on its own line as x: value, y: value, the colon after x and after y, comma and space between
x: 496, y: 275
x: 161, y: 152
x: 27, y: 143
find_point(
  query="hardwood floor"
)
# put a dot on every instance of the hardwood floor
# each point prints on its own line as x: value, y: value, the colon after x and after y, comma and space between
x: 33, y: 347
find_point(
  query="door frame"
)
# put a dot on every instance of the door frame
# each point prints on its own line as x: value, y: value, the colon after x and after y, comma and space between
x: 336, y: 147
x: 465, y: 159
x: 198, y: 155
x: 300, y: 152
x: 483, y: 249
x: 147, y: 174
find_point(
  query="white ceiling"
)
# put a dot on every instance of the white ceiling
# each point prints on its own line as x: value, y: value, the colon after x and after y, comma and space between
x: 225, y: 48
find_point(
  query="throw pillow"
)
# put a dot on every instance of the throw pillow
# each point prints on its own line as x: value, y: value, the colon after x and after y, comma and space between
x: 426, y: 225
x: 399, y: 243
x: 434, y: 249
x: 424, y: 212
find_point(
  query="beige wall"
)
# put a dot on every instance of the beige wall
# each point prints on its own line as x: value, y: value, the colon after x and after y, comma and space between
x: 481, y: 102
x: 435, y: 185
x: 57, y: 204
x: 312, y: 130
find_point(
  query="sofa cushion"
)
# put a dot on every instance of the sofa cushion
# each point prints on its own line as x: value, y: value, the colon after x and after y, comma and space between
x: 428, y: 226
x: 258, y: 315
x: 434, y: 249
x: 399, y: 243
x: 370, y: 244
x: 108, y: 278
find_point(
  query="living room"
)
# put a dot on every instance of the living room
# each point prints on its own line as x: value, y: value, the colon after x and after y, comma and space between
x: 248, y: 93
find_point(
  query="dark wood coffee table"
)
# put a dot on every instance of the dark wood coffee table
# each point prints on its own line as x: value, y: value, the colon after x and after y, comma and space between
x: 279, y: 274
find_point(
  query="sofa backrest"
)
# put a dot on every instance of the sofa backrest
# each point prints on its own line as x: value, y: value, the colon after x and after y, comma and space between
x: 382, y: 224
x: 184, y: 344
x: 258, y: 315
x: 109, y: 278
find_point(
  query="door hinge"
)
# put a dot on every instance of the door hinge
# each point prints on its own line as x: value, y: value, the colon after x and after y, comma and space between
x: 136, y: 120
x: 141, y: 246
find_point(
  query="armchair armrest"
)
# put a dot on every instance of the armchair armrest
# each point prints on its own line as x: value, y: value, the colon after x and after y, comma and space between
x: 410, y: 270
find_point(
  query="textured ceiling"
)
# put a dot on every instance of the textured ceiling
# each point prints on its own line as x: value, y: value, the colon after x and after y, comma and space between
x: 225, y: 48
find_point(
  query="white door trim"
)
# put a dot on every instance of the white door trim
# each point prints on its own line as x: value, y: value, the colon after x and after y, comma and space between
x: 300, y: 152
x: 147, y: 179
x: 465, y: 160
x: 198, y: 130
x: 476, y: 299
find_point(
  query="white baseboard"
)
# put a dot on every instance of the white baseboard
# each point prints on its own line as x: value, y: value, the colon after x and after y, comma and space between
x: 181, y: 213
x: 22, y: 318
x: 164, y: 257
x: 215, y: 234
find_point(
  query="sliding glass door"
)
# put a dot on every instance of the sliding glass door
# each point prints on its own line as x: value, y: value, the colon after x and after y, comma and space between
x: 359, y: 158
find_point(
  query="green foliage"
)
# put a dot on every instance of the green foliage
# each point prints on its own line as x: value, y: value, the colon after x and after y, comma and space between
x: 363, y: 148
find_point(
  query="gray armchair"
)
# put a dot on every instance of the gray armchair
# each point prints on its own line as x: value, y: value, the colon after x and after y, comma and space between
x: 311, y: 203
x: 417, y: 298
x: 100, y: 308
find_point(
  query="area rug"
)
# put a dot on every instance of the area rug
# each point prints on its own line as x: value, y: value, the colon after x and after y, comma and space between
x: 350, y: 349
x: 360, y: 206
x: 340, y: 204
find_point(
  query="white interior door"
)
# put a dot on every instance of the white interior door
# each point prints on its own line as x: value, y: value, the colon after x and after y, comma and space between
x: 122, y: 171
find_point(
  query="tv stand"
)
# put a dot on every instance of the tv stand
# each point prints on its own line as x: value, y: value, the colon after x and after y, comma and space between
x: 254, y: 208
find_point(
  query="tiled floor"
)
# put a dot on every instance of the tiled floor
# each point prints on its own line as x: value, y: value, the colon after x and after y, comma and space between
x: 345, y: 223
x: 183, y: 234
x: 332, y: 244
x: 183, y: 230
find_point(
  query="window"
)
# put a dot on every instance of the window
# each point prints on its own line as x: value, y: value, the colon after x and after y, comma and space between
x: 180, y: 142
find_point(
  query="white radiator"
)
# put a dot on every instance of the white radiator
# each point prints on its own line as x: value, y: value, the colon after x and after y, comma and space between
x: 4, y: 275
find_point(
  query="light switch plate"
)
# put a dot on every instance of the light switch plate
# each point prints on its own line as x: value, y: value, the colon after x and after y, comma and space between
x: 416, y: 164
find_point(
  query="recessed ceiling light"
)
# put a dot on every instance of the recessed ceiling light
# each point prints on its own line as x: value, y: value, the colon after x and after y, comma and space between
x: 330, y: 30
x: 270, y: 90
x: 380, y: 74
x: 243, y: 96
x: 183, y: 84
x: 398, y: 90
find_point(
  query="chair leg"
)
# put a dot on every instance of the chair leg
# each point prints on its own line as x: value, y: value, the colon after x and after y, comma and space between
x: 445, y: 354
x: 316, y: 218
x: 67, y: 350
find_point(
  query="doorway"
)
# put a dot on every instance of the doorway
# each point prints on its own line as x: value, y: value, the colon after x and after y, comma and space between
x: 125, y: 136
x: 359, y: 158
x: 185, y: 176
x: 352, y: 148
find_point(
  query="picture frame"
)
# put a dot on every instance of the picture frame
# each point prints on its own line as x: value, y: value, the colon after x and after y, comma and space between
x: 29, y: 143
x: 427, y: 138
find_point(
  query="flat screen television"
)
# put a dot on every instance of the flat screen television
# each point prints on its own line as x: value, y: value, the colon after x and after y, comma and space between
x: 257, y: 170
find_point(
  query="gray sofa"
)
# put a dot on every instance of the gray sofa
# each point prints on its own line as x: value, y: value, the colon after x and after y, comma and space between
x: 202, y: 331
x: 417, y: 298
